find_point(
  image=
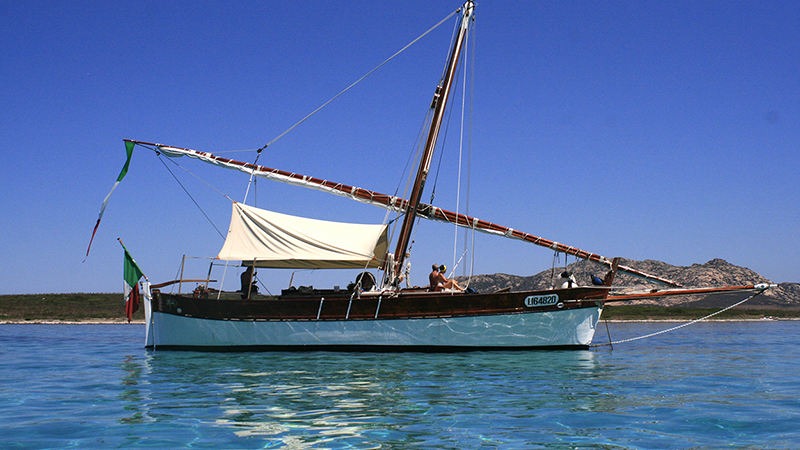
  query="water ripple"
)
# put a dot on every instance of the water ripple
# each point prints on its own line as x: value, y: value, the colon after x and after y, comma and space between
x: 727, y: 385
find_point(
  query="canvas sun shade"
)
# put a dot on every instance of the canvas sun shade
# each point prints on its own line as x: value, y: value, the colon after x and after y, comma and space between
x: 270, y: 239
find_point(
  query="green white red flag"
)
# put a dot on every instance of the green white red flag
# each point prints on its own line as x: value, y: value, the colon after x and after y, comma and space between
x: 129, y: 150
x: 132, y: 274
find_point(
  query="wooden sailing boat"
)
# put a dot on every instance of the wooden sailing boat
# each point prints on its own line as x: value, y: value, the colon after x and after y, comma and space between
x: 371, y: 315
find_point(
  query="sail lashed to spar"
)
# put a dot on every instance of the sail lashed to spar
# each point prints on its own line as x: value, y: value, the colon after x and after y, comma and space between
x: 270, y: 239
x: 396, y: 204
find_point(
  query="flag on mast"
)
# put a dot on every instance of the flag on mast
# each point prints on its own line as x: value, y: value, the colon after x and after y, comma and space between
x: 132, y: 274
x: 129, y: 150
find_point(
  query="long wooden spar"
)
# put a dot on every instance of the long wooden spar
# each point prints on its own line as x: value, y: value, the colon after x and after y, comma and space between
x: 394, y: 203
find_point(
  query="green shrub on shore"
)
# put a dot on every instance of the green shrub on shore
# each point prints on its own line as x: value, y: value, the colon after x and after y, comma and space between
x: 65, y: 307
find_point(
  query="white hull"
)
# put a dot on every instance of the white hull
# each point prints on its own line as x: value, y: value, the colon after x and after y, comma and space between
x: 572, y: 328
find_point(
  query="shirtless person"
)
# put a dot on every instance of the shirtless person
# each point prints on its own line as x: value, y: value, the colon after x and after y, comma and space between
x: 439, y: 282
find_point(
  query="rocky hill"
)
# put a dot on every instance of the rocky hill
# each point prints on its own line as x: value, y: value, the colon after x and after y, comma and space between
x: 716, y: 272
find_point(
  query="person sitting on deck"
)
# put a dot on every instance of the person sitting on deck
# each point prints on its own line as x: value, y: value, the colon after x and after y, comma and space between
x: 248, y: 283
x: 438, y: 280
x: 566, y: 281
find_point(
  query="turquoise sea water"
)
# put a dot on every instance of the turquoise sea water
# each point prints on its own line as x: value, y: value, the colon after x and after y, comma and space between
x: 710, y: 385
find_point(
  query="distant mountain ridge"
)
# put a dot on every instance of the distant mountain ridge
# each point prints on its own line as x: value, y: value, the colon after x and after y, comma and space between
x: 716, y: 272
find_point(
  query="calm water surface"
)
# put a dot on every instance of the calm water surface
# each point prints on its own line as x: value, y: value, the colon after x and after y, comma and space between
x: 710, y: 385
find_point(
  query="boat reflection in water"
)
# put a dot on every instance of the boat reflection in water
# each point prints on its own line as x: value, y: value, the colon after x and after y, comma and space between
x: 352, y: 399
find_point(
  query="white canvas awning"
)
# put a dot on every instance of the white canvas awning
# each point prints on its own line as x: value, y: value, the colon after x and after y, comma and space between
x: 271, y: 239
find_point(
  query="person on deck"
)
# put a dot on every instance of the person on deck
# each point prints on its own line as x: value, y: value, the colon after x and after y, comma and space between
x: 248, y: 284
x: 438, y: 280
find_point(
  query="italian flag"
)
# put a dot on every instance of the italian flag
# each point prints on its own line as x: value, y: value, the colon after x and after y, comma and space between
x: 132, y: 273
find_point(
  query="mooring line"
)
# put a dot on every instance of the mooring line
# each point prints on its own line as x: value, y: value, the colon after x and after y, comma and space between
x: 610, y: 343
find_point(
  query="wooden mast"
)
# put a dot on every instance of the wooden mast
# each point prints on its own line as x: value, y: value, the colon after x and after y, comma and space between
x: 439, y: 104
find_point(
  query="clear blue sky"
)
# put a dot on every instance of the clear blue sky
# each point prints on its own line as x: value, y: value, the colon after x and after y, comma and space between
x: 648, y: 130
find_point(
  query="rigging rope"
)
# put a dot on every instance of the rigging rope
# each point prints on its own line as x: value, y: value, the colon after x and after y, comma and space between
x: 187, y: 192
x: 413, y: 156
x: 682, y: 325
x: 469, y: 152
x: 358, y: 81
x: 556, y: 259
x: 460, y: 155
x: 252, y: 176
x: 189, y: 172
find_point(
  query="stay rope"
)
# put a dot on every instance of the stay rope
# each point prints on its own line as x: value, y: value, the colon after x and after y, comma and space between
x: 358, y: 81
x: 460, y: 157
x: 189, y: 194
x: 610, y: 343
